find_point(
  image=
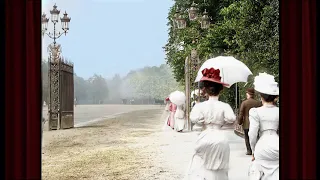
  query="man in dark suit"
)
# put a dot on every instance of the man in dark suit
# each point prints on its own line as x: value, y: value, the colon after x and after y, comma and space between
x: 243, y: 118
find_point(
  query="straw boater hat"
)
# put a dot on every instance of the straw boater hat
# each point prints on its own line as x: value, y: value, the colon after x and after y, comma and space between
x: 265, y: 83
x: 212, y: 75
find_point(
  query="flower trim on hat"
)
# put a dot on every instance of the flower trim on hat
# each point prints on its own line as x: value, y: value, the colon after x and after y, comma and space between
x: 212, y: 73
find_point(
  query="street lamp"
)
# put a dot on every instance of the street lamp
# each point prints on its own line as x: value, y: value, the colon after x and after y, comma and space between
x: 205, y: 20
x: 180, y: 20
x: 193, y: 15
x: 44, y: 22
x: 55, y: 14
x: 192, y: 65
x: 193, y: 12
x: 55, y: 61
x: 65, y: 20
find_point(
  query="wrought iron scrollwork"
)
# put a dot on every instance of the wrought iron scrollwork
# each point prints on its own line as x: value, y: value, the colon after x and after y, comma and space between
x: 59, y: 69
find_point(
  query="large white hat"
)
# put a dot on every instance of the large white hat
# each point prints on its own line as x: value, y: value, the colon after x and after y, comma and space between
x: 265, y: 83
x: 178, y: 98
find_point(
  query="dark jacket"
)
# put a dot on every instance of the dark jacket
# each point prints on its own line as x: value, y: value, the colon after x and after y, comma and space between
x: 246, y: 105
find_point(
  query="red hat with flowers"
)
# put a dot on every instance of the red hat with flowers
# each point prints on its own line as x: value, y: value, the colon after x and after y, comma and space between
x: 212, y: 75
x: 167, y: 99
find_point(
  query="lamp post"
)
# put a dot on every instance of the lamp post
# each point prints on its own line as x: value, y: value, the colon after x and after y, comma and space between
x: 65, y: 20
x: 54, y: 63
x: 180, y: 22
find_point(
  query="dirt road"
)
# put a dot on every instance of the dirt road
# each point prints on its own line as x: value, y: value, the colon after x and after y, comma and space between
x: 119, y: 148
x: 131, y: 146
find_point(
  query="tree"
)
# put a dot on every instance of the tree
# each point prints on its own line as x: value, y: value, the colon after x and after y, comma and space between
x: 151, y: 82
x: 98, y: 88
x: 245, y: 29
x: 114, y: 89
x: 81, y: 87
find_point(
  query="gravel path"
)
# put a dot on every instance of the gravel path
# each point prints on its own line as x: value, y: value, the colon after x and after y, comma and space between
x: 129, y: 146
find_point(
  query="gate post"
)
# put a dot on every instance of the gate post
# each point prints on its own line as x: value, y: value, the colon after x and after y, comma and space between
x: 54, y: 85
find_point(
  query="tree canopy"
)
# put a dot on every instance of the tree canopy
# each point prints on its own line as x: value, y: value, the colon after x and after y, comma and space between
x: 150, y: 82
x: 245, y: 29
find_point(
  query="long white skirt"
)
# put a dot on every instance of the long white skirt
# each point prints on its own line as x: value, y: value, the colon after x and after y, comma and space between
x: 211, y: 157
x: 179, y: 124
x: 266, y: 163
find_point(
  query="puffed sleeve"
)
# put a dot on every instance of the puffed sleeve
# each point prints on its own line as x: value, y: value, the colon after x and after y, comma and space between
x: 254, y: 127
x: 196, y: 114
x: 229, y: 115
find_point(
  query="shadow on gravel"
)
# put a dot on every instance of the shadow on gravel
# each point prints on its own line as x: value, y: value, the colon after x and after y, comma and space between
x: 91, y: 126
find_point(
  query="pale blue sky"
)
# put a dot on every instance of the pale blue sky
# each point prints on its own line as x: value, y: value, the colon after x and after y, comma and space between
x: 112, y: 36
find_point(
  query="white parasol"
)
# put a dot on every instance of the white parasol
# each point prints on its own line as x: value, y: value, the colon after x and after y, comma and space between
x: 231, y: 69
x: 178, y: 98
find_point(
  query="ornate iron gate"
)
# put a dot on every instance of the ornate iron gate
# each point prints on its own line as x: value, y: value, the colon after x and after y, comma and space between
x: 66, y: 95
x: 61, y: 90
x: 192, y: 64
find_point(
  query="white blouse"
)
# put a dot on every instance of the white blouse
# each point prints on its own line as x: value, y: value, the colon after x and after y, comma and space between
x: 262, y: 120
x: 213, y: 112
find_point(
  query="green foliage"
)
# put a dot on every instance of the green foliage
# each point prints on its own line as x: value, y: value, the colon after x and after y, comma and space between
x: 98, y: 88
x: 245, y: 29
x: 150, y: 82
x: 81, y: 89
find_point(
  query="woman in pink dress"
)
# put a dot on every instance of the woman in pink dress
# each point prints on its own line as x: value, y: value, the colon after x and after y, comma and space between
x: 166, y: 113
x: 172, y: 109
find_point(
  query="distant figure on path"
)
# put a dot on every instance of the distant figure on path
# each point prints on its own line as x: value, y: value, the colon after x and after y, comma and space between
x: 211, y: 153
x: 179, y: 119
x: 166, y: 113
x: 264, y: 122
x: 243, y: 118
x: 172, y: 109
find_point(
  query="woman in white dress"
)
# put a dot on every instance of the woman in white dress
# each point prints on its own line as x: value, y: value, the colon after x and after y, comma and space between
x: 210, y: 160
x: 166, y: 114
x: 264, y: 123
x: 179, y: 119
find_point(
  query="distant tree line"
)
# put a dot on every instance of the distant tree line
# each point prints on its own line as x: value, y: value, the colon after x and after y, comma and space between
x: 148, y: 85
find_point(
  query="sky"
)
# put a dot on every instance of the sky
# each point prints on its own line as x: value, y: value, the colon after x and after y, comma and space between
x: 107, y: 37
